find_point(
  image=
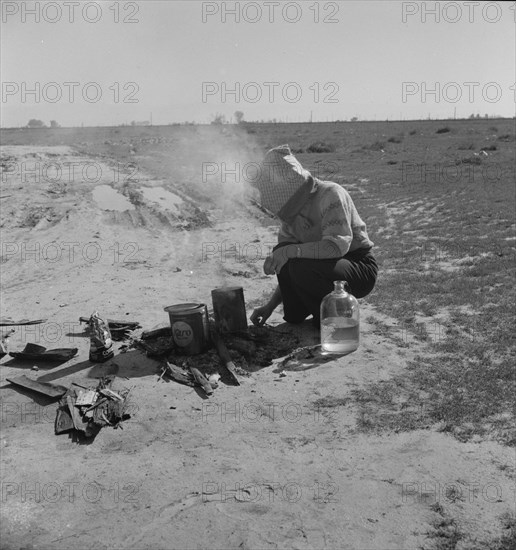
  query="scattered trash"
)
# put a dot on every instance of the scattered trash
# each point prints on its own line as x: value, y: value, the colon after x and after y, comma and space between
x: 89, y: 411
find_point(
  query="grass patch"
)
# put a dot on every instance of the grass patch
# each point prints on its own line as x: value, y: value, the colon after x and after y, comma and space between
x: 376, y: 146
x: 449, y: 288
x: 443, y: 130
x: 446, y: 533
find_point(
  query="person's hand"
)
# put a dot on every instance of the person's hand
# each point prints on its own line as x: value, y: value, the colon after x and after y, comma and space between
x: 275, y: 261
x: 260, y: 315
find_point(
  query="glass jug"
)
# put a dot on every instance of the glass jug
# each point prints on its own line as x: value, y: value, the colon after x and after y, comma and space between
x: 340, y: 321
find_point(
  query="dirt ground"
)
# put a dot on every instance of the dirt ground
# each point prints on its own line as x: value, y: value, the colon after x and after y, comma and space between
x: 276, y: 462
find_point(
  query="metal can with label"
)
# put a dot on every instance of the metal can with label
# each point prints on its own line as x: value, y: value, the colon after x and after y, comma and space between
x: 190, y: 327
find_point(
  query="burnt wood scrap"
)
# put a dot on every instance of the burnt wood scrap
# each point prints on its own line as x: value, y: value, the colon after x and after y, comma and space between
x: 86, y: 411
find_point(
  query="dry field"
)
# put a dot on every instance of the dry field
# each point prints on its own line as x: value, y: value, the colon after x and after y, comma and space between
x: 406, y: 443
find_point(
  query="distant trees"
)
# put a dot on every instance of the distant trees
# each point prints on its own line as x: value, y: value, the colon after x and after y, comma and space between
x: 239, y: 117
x: 35, y: 123
x: 218, y: 119
x: 54, y: 124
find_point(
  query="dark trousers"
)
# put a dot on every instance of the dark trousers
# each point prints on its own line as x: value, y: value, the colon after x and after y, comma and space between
x: 304, y: 283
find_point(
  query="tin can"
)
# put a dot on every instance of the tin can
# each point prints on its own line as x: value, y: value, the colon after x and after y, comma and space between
x: 190, y: 328
x: 229, y: 308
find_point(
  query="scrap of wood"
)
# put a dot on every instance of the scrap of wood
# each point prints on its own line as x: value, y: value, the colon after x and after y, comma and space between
x: 201, y: 380
x: 224, y: 355
x: 45, y: 388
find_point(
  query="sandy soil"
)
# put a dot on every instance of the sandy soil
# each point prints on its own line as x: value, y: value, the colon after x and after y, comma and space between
x: 275, y: 463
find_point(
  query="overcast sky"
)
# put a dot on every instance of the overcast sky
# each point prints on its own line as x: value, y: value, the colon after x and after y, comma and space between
x: 179, y: 61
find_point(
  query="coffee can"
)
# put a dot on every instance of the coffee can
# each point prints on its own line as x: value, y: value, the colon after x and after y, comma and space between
x: 190, y: 328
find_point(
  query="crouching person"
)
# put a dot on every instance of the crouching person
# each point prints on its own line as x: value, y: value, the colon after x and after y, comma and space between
x: 322, y: 239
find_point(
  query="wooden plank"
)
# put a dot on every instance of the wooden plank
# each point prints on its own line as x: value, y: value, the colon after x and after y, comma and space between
x: 45, y: 388
x: 224, y: 355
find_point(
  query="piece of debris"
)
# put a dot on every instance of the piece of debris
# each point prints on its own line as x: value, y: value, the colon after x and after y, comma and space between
x: 39, y: 353
x: 35, y: 367
x: 50, y: 390
x: 7, y: 322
